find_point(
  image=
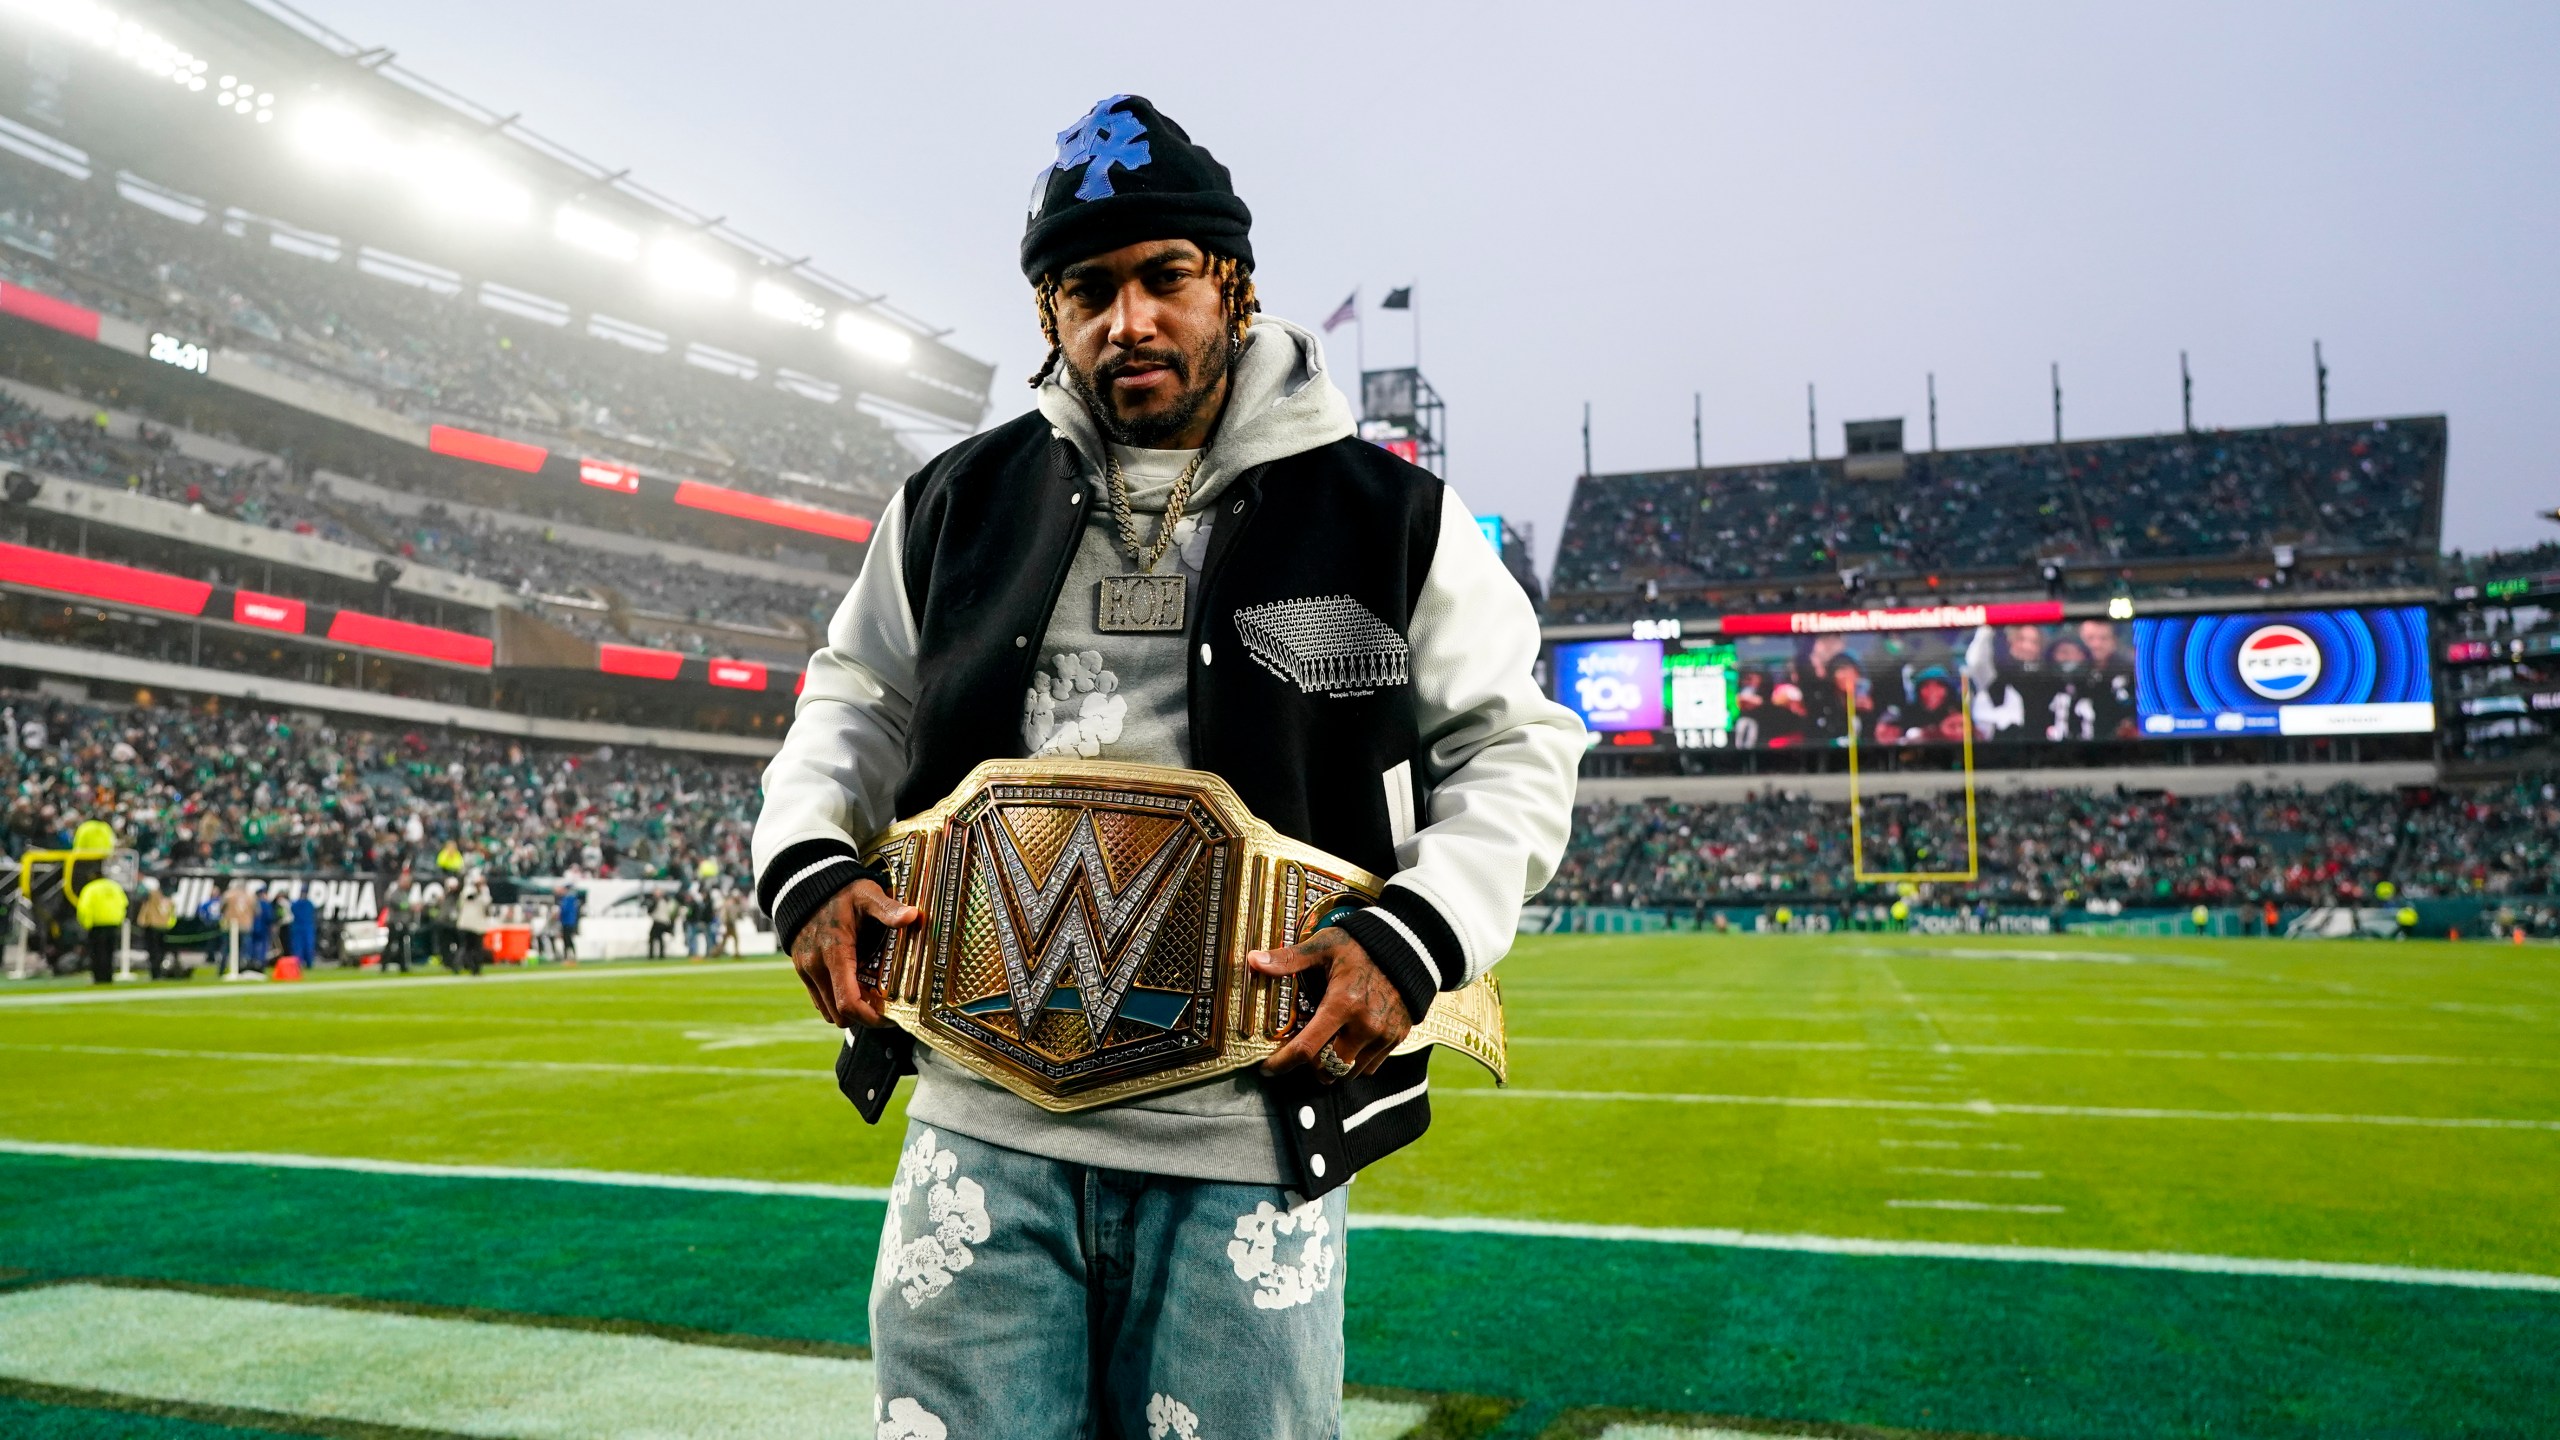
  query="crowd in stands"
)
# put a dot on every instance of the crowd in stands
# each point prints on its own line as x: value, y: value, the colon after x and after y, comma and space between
x: 2540, y: 559
x: 240, y: 784
x: 424, y: 353
x: 2355, y: 488
x: 529, y: 563
x: 2055, y: 847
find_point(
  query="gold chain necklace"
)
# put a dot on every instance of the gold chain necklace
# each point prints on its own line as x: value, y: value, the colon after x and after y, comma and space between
x: 1145, y: 603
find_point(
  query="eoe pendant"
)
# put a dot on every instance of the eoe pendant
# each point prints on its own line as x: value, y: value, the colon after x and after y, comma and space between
x: 1139, y: 604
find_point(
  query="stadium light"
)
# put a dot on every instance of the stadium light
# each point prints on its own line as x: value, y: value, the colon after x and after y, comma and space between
x: 595, y: 233
x: 679, y: 266
x: 465, y: 188
x: 337, y: 137
x: 781, y: 302
x: 144, y: 48
x: 866, y: 336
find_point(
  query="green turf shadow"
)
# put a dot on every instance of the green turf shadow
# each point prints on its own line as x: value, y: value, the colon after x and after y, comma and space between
x: 774, y: 1266
x: 1931, y: 1345
x: 1936, y: 1345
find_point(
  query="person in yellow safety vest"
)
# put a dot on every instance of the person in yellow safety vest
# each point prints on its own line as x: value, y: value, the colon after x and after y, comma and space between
x: 2408, y: 918
x: 709, y: 869
x: 2203, y: 918
x: 449, y: 859
x: 100, y: 910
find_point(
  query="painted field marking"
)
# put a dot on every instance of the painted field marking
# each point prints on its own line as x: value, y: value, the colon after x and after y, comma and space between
x: 1941, y: 1250
x: 2036, y: 1051
x: 260, y: 1159
x: 1965, y: 1174
x: 1365, y: 1220
x: 452, y: 1376
x: 1973, y: 1205
x: 376, y: 986
x: 1678, y: 1432
x: 1989, y: 1107
x: 434, y: 1062
x: 1948, y: 1145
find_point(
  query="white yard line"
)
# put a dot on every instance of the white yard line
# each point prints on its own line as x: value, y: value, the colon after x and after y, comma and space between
x: 1991, y: 1107
x: 1365, y: 1220
x: 2037, y: 1051
x: 435, y: 1062
x: 447, y: 1375
x: 141, y: 992
x: 1973, y: 1205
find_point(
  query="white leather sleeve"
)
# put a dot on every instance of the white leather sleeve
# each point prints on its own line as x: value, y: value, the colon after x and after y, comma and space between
x: 837, y: 773
x: 1500, y: 757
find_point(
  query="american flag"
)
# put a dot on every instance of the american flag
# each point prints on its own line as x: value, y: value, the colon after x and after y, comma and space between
x: 1348, y: 310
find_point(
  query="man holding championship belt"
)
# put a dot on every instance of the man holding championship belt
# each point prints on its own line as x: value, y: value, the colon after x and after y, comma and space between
x: 1173, y: 772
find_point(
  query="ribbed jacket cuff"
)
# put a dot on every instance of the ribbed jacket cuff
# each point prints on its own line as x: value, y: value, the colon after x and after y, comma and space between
x: 1418, y: 951
x: 802, y: 879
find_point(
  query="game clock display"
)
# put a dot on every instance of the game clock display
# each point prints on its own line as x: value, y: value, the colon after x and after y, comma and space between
x: 2310, y: 672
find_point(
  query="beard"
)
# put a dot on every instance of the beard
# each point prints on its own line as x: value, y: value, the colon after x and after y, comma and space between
x: 1199, y: 373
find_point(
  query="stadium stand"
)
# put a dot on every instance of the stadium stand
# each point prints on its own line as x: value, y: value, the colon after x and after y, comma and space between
x: 2052, y: 847
x: 2501, y: 648
x: 2360, y: 501
x: 249, y: 785
x: 410, y: 341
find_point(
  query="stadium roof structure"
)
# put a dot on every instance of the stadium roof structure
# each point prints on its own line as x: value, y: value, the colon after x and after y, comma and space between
x: 253, y: 106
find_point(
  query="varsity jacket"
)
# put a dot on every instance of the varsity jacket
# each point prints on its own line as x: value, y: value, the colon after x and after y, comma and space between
x: 1440, y: 764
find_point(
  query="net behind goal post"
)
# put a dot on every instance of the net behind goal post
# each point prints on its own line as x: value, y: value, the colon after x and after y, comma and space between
x: 1972, y: 834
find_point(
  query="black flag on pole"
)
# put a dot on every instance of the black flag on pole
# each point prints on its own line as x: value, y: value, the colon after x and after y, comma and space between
x: 1398, y: 299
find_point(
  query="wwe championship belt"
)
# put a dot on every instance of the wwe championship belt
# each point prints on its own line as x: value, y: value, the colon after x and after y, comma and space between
x: 1086, y: 926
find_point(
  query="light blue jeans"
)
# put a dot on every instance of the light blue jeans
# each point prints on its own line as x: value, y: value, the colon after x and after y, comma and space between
x: 1032, y: 1299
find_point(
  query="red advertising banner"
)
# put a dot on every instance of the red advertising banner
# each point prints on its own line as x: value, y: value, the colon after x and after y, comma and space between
x: 721, y: 500
x: 400, y: 637
x: 1924, y: 617
x: 464, y: 444
x: 639, y: 662
x: 269, y: 612
x: 102, y: 580
x: 44, y: 310
x: 737, y: 674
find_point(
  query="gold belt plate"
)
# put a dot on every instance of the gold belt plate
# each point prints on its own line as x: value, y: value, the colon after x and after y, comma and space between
x: 1086, y: 923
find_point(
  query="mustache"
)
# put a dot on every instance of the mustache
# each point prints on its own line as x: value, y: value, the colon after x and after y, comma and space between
x: 1170, y: 359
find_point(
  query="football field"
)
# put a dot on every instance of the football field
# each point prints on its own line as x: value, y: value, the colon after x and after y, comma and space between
x: 2059, y: 1186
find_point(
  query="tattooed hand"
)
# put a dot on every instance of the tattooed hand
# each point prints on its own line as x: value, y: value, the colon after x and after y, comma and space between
x: 823, y: 953
x: 1362, y: 1016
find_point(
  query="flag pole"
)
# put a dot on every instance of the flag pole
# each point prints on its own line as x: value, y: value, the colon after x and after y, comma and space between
x: 1360, y: 345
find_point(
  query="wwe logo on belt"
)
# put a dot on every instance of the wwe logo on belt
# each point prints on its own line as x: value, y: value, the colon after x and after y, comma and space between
x: 1104, y: 931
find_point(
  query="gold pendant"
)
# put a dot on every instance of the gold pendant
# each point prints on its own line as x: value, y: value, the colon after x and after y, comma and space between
x: 1139, y: 604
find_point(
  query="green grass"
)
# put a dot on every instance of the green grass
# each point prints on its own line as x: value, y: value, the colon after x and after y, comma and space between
x: 717, y: 1070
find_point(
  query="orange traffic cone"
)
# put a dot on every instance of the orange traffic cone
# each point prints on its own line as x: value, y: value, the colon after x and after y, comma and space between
x: 288, y: 967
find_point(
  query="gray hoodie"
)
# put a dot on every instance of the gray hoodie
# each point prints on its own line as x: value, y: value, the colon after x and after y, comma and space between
x: 1497, y: 760
x: 1125, y: 697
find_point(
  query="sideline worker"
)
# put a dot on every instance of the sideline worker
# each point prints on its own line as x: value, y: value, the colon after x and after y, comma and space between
x: 156, y: 916
x: 100, y: 910
x: 1077, y: 584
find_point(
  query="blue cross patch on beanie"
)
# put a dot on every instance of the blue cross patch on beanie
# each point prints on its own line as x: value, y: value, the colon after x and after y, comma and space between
x: 1105, y: 137
x: 1125, y: 174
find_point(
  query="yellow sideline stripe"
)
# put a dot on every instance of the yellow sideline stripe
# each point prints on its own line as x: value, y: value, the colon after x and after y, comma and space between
x: 1842, y: 1245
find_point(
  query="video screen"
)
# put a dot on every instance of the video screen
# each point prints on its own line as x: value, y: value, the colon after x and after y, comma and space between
x: 1613, y: 685
x: 2305, y: 672
x: 2030, y: 684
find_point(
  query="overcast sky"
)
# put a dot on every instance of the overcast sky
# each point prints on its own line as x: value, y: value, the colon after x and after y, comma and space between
x: 1629, y: 204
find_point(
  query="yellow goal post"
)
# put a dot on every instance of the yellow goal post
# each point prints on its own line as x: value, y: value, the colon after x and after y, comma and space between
x: 1972, y: 833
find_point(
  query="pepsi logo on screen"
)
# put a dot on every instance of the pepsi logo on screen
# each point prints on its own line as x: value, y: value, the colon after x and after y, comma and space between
x: 2278, y: 662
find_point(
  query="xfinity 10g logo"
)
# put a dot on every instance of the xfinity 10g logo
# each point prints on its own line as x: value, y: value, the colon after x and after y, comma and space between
x: 2279, y: 662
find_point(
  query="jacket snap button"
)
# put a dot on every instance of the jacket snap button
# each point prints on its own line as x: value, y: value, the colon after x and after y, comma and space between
x: 1204, y: 654
x: 1076, y: 499
x: 1021, y: 641
x: 1238, y: 510
x: 1315, y: 1166
x: 1306, y: 1117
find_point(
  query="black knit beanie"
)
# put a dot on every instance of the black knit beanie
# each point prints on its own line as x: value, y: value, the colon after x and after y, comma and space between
x: 1125, y: 173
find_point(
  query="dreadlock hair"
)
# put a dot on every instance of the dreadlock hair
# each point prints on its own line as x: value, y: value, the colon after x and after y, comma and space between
x: 1235, y: 292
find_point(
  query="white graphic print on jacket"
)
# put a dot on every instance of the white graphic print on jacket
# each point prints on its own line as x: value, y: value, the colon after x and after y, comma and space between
x: 1256, y: 1252
x: 907, y: 1420
x: 955, y: 1206
x: 1074, y: 712
x: 1170, y: 1419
